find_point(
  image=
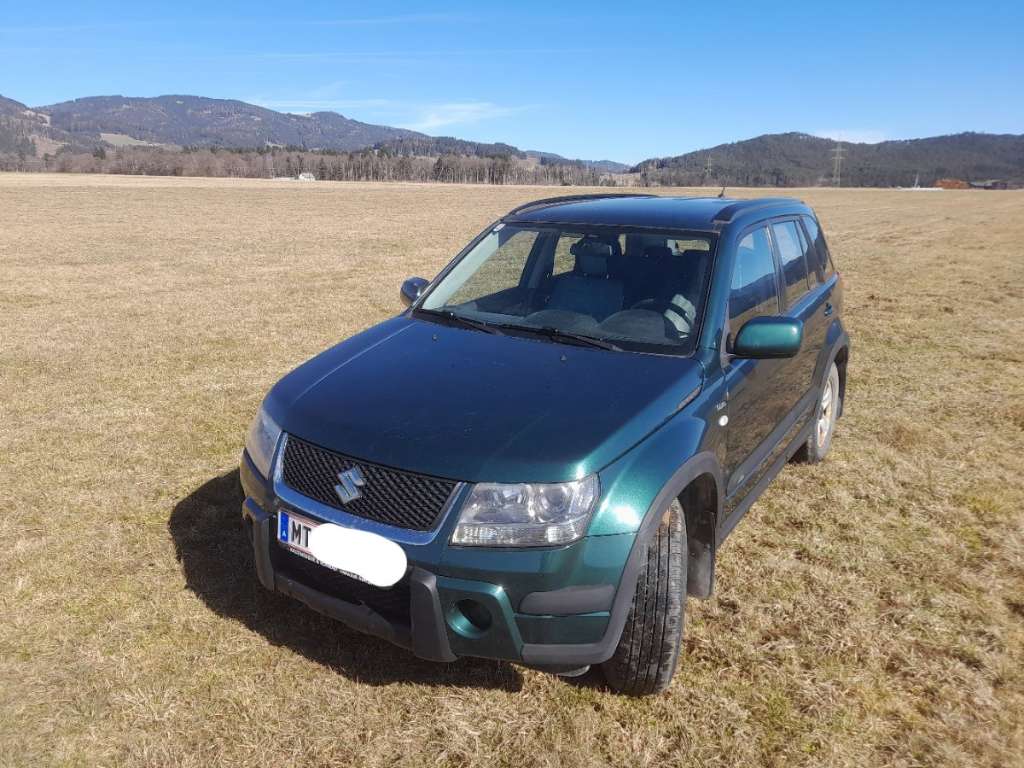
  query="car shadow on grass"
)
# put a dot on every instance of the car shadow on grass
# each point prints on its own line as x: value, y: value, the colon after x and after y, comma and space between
x: 214, y: 551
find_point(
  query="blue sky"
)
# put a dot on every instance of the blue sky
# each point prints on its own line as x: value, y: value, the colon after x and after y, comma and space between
x: 623, y: 81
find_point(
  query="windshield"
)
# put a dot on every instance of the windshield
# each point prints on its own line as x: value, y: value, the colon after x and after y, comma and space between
x: 639, y: 290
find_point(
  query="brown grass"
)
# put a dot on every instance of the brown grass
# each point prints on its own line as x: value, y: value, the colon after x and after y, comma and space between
x: 870, y: 610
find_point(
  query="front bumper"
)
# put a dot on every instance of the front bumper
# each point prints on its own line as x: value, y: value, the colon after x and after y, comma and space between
x: 548, y: 608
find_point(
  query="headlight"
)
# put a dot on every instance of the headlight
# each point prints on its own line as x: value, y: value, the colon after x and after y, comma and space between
x: 526, y: 514
x: 262, y: 441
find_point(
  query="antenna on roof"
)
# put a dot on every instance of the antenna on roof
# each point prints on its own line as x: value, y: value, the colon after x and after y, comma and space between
x: 722, y: 193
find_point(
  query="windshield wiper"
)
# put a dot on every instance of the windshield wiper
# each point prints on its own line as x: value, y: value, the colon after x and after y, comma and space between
x: 465, y: 322
x: 557, y: 334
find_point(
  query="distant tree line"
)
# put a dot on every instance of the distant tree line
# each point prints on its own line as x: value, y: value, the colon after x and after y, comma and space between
x: 366, y: 165
x: 736, y: 177
x: 435, y: 146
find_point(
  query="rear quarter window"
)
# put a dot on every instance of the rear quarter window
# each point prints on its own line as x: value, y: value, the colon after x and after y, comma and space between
x: 681, y: 246
x: 819, y: 251
x: 564, y: 260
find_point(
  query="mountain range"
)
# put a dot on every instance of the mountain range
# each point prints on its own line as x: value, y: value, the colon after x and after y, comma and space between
x: 195, y: 121
x: 801, y: 160
x: 99, y: 123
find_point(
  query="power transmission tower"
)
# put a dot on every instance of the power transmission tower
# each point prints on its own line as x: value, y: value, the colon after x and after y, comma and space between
x: 707, y: 170
x: 837, y: 164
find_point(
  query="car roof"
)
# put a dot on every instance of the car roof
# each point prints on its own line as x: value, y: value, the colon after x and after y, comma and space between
x: 649, y: 211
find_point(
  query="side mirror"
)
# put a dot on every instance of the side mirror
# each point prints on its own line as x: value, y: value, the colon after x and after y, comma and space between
x: 769, y: 337
x: 412, y: 288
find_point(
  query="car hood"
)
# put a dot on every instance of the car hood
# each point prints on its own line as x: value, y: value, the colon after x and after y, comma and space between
x: 473, y: 406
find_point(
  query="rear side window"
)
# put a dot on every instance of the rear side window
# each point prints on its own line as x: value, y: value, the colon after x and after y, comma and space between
x: 753, y: 292
x: 791, y: 256
x: 818, y: 254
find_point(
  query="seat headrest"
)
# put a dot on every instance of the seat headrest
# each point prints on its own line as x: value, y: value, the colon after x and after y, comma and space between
x: 591, y: 257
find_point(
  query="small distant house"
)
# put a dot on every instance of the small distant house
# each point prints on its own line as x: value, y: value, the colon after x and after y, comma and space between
x: 990, y: 184
x: 307, y: 177
x: 952, y: 184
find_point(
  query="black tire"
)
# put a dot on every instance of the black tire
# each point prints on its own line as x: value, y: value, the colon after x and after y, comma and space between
x: 818, y: 443
x: 646, y: 655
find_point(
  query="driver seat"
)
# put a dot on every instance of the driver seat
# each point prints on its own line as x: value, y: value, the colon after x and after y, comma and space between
x: 588, y: 289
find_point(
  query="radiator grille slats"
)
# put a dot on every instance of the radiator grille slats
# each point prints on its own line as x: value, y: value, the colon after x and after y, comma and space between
x: 391, y: 496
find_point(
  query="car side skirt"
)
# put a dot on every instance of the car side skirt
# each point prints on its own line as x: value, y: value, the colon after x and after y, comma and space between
x: 733, y: 518
x: 769, y: 449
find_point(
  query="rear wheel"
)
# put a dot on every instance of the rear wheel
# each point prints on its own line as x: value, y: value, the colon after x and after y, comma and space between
x: 825, y: 415
x: 646, y: 655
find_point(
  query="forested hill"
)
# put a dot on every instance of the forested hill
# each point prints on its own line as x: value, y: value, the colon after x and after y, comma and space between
x: 798, y: 159
x: 198, y: 121
x: 26, y: 132
x: 184, y: 134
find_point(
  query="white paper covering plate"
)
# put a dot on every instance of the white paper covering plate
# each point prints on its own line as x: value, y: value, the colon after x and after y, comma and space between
x: 377, y: 560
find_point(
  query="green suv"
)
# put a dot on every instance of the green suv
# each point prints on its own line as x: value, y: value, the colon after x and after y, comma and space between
x: 541, y: 457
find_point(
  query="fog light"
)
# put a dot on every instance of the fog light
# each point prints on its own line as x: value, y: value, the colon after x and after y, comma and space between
x: 469, y: 618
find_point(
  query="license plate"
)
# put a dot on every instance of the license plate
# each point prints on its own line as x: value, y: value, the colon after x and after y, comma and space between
x: 293, y: 532
x: 360, y: 554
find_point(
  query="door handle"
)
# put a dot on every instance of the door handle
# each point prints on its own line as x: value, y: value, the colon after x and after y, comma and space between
x: 828, y: 308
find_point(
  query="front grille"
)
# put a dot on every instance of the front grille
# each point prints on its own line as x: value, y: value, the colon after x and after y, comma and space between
x: 391, y: 603
x: 392, y: 496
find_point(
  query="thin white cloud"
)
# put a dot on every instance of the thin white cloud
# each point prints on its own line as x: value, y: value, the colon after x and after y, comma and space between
x: 321, y: 105
x: 383, y: 57
x: 330, y: 96
x: 59, y: 29
x: 404, y: 56
x: 854, y: 135
x: 416, y: 116
x: 433, y: 117
x: 216, y: 21
x: 373, y: 21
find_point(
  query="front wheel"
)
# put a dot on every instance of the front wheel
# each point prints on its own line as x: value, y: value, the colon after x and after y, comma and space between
x: 646, y: 655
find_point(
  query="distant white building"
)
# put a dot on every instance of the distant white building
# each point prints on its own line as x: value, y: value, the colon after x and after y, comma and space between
x: 307, y: 177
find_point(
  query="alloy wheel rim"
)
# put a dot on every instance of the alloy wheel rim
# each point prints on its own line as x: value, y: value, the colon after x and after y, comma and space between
x: 827, y: 413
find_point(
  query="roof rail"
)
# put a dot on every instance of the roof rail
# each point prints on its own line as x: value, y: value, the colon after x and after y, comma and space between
x: 730, y: 211
x: 574, y: 199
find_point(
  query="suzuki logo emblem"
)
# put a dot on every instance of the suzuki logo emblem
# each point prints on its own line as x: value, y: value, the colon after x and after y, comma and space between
x: 348, y: 488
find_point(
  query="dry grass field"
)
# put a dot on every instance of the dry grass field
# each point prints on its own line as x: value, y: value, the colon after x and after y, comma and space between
x: 869, y: 612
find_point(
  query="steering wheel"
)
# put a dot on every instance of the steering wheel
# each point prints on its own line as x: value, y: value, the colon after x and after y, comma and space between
x: 657, y: 305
